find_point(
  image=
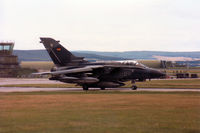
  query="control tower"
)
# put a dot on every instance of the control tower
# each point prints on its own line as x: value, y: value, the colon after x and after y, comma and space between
x: 8, y: 61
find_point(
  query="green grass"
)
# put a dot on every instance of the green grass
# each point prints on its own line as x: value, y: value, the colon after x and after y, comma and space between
x: 100, y: 111
x: 151, y: 63
x: 184, y: 83
x: 39, y: 65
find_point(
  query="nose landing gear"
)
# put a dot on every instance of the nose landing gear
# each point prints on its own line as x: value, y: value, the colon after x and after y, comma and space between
x: 134, y: 87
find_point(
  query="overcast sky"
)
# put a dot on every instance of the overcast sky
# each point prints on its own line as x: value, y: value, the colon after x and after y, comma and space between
x: 103, y: 25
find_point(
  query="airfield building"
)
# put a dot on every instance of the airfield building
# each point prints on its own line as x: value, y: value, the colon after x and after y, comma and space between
x: 8, y: 61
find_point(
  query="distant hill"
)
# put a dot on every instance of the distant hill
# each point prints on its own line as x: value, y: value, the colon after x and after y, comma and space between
x: 42, y: 55
x: 147, y: 55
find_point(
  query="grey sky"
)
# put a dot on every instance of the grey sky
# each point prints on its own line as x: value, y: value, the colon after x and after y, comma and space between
x: 103, y: 25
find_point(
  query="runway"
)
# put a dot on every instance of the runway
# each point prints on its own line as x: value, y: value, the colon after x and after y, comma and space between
x: 13, y: 81
x: 29, y: 89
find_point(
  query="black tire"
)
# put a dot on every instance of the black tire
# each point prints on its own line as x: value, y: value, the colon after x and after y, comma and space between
x: 102, y: 88
x: 85, y: 87
x: 134, y: 87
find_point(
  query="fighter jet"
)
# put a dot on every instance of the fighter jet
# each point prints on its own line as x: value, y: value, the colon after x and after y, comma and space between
x: 101, y: 74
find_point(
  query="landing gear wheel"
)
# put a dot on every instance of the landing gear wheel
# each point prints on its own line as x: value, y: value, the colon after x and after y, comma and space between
x: 85, y: 87
x: 134, y: 87
x: 102, y: 88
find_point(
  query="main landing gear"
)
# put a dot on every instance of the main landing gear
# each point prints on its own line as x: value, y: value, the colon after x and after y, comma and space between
x: 102, y: 88
x: 85, y: 87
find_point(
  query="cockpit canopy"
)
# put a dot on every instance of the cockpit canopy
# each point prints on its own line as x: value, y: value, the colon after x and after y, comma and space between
x: 132, y: 63
x: 124, y: 62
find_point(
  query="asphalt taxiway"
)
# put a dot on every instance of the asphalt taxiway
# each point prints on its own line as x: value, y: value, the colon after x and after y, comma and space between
x: 13, y: 81
x: 30, y: 89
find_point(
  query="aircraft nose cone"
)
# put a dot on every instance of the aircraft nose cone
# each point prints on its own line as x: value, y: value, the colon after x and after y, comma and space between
x: 162, y: 75
x: 156, y: 74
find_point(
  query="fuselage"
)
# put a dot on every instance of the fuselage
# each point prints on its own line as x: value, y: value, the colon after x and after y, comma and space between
x: 114, y: 73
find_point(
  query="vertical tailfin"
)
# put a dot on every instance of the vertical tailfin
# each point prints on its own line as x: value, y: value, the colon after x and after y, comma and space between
x: 60, y: 55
